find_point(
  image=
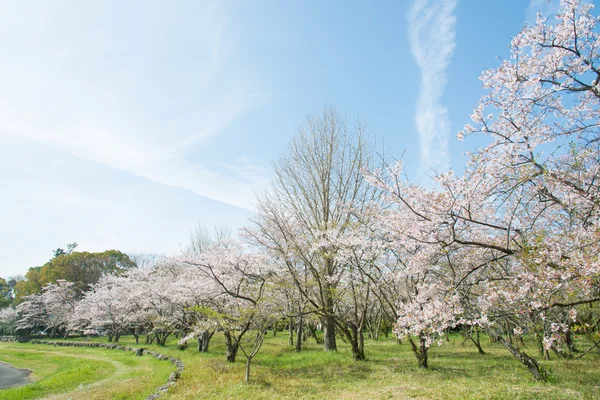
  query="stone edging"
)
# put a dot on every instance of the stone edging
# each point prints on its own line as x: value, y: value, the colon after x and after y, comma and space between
x: 139, y: 351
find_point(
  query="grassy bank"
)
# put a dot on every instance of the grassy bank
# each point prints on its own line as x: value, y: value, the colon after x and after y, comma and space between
x: 81, y: 373
x: 457, y: 372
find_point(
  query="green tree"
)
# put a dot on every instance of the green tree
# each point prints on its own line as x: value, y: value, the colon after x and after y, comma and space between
x: 5, y: 294
x: 82, y: 268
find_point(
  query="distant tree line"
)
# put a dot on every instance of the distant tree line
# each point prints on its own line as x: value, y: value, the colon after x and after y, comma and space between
x: 81, y: 268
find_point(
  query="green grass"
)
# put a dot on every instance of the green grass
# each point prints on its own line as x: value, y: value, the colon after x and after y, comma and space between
x: 278, y: 372
x: 78, y: 373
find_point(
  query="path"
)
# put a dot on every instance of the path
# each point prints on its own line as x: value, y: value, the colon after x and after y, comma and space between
x: 11, y: 376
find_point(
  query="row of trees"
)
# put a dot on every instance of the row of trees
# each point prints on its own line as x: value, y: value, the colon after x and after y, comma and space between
x: 78, y: 271
x: 342, y: 238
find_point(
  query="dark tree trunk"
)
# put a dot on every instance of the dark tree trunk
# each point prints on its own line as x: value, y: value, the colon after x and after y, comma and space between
x: 136, y: 334
x: 207, y: 336
x: 161, y: 338
x: 570, y: 342
x: 299, y: 329
x: 361, y: 342
x: 420, y: 351
x: 476, y: 341
x: 150, y: 338
x: 313, y: 332
x: 357, y: 353
x: 329, y: 322
x: 290, y: 333
x: 232, y: 347
x: 356, y: 338
x: 204, y: 340
x: 329, y: 334
x: 358, y: 344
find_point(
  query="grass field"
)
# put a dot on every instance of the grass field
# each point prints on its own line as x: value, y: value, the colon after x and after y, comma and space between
x: 82, y: 373
x: 457, y: 372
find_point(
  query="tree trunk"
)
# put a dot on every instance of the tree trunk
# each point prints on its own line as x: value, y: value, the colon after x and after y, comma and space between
x: 117, y: 337
x: 232, y: 347
x: 357, y: 353
x: 161, y: 338
x: 329, y: 334
x: 357, y: 340
x: 207, y: 336
x: 204, y: 340
x: 313, y: 332
x: 136, y: 334
x: 361, y: 343
x: 358, y: 350
x: 530, y: 363
x: 570, y: 342
x: 291, y: 333
x: 150, y: 338
x: 420, y: 351
x: 299, y: 329
x: 423, y: 363
x: 247, y: 377
x: 477, y: 341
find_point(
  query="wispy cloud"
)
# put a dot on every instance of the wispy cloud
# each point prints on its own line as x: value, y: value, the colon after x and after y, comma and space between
x: 141, y: 86
x: 545, y: 7
x: 432, y: 39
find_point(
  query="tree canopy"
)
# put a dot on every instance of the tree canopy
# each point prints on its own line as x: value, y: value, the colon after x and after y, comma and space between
x: 82, y: 268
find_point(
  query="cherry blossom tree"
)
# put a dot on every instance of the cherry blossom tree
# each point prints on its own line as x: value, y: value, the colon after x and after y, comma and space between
x: 236, y: 281
x: 511, y: 245
x: 8, y: 320
x: 50, y: 310
x: 318, y: 184
x: 111, y: 306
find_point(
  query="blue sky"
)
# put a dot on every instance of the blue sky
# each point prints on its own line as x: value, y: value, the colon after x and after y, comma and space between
x: 124, y: 124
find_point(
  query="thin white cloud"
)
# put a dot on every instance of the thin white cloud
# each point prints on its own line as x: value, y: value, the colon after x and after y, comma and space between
x: 545, y: 7
x: 431, y: 25
x: 50, y: 198
x: 139, y: 86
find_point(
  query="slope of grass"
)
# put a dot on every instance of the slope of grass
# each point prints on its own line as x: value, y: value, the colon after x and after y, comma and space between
x: 457, y: 372
x: 81, y: 373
